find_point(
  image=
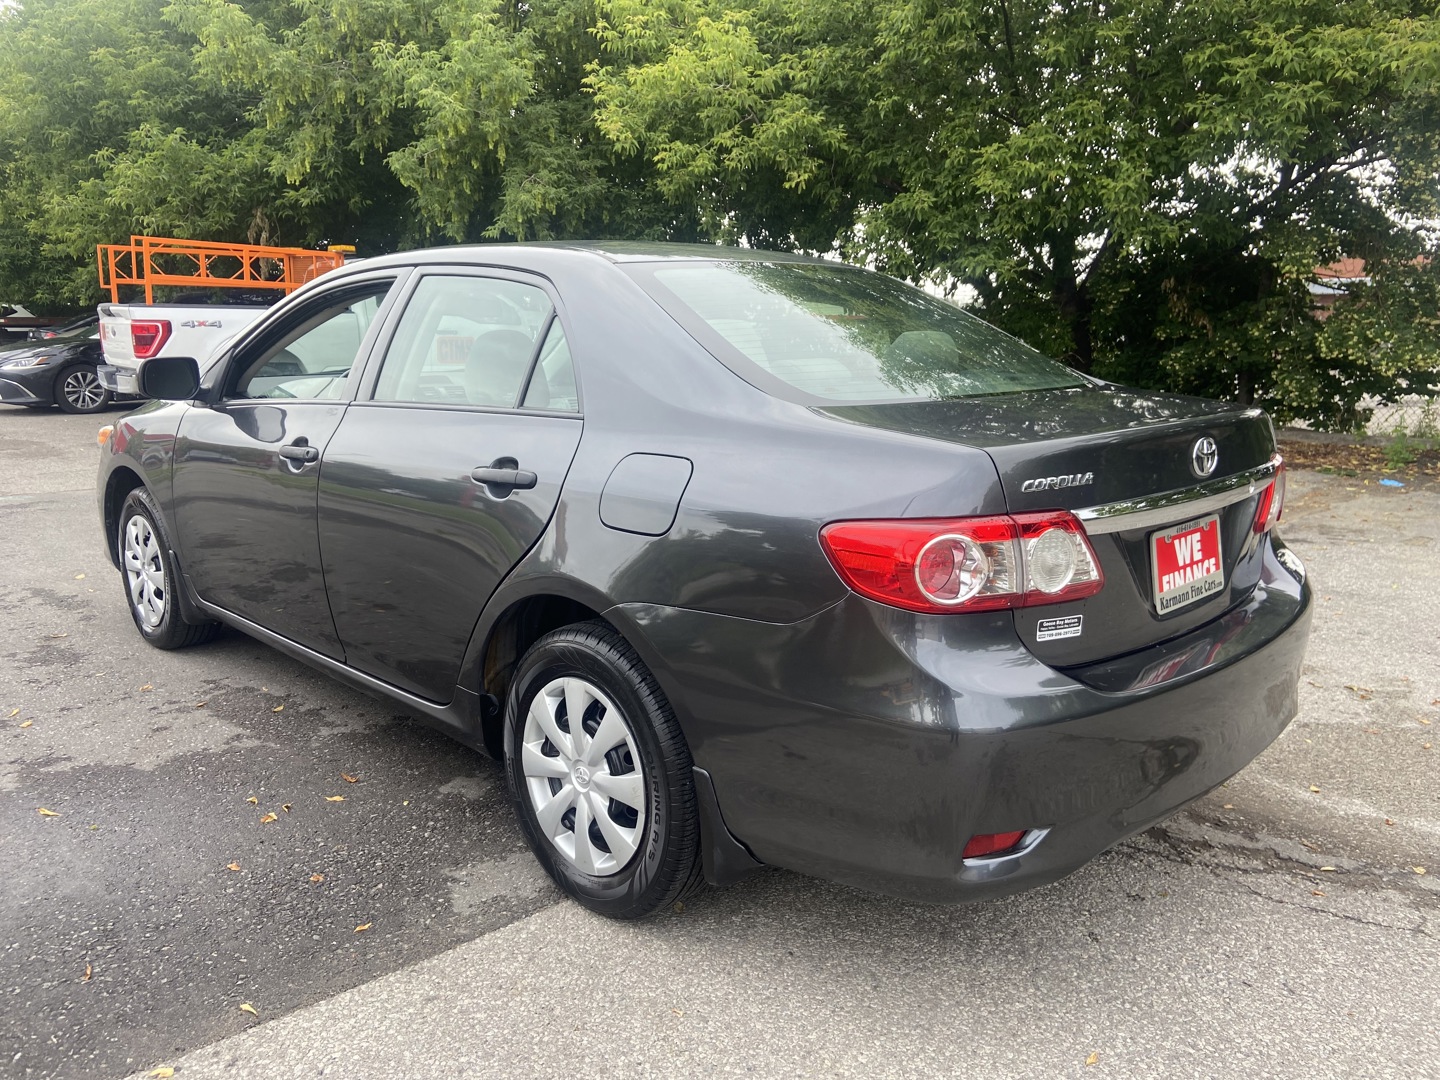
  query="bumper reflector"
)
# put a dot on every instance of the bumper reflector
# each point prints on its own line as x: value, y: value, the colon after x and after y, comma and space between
x: 998, y: 843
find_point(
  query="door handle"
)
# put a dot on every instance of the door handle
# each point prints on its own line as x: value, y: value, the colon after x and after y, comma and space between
x: 509, y: 478
x: 299, y: 451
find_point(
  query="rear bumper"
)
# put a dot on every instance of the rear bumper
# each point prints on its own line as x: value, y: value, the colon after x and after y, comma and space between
x: 866, y: 745
x: 118, y: 380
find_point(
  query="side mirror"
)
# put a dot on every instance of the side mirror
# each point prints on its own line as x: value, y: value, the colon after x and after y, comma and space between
x: 169, y: 378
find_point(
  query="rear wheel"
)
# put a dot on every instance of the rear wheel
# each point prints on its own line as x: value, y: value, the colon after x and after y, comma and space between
x: 601, y: 774
x: 78, y: 390
x: 148, y: 574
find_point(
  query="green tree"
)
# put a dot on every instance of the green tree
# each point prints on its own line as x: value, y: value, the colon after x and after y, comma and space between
x: 1143, y: 188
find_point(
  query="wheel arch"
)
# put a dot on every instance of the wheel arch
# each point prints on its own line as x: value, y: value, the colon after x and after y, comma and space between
x: 522, y: 622
x: 119, y: 484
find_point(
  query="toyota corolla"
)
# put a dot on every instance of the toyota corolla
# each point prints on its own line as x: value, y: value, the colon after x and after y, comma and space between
x: 733, y: 558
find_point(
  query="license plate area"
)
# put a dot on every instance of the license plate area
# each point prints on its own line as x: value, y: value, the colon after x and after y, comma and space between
x: 1186, y: 565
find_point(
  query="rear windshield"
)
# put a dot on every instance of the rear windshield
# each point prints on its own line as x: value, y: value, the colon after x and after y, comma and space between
x: 839, y: 334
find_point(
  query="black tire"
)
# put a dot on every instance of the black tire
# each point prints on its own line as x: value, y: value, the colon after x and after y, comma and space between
x: 156, y: 609
x: 78, y: 389
x: 665, y: 866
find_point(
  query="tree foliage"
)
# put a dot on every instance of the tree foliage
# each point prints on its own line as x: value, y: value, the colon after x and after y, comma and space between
x: 1143, y: 187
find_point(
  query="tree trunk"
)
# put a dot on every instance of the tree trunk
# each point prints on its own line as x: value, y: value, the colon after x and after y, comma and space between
x: 1075, y: 307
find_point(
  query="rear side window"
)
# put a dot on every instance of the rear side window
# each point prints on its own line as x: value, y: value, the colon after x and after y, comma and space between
x: 465, y: 341
x: 838, y: 334
x: 552, y: 384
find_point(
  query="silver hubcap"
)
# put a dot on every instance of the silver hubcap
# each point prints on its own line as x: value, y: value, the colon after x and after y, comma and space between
x: 144, y: 573
x: 83, y: 390
x: 583, y: 776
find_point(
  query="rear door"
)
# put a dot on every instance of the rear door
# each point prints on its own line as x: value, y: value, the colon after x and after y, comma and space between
x: 247, y: 467
x: 445, y: 472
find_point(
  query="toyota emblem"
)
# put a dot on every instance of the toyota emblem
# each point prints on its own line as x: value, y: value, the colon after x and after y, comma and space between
x: 1204, y: 456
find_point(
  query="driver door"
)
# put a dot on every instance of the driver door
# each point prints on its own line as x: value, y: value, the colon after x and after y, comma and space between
x: 247, y: 467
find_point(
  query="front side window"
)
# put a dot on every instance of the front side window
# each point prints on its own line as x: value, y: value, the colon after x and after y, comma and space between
x: 838, y: 334
x: 313, y: 360
x: 465, y: 341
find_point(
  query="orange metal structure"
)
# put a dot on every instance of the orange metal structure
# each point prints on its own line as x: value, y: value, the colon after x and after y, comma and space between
x: 148, y: 261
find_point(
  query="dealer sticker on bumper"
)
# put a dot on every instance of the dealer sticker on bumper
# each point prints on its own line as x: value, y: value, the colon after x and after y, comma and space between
x: 1186, y: 561
x: 1063, y: 627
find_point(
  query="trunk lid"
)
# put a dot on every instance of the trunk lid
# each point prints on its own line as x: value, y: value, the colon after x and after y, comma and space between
x: 1083, y: 448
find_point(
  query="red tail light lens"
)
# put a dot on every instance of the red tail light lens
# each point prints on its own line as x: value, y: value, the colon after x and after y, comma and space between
x: 983, y: 844
x: 149, y: 337
x: 966, y: 564
x: 1272, y: 500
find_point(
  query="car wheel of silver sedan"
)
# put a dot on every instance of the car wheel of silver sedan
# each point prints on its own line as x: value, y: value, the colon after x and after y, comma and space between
x: 78, y: 389
x: 601, y: 773
x: 148, y: 573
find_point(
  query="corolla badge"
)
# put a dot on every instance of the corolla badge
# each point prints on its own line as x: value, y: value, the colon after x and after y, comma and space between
x: 1204, y: 457
x: 1052, y: 483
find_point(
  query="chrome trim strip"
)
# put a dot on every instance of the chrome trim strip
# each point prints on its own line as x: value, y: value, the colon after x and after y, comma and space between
x: 1168, y: 507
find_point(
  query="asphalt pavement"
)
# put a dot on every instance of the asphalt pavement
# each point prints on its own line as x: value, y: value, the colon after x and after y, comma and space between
x: 388, y: 921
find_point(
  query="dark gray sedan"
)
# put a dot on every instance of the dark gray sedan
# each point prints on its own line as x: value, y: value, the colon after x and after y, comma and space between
x: 734, y: 558
x: 60, y: 369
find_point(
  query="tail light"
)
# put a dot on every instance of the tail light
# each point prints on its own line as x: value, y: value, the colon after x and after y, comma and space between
x: 940, y: 566
x: 1272, y: 500
x: 982, y: 845
x: 148, y: 337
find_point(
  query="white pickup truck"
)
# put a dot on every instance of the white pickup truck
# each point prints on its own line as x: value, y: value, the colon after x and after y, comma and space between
x: 130, y: 333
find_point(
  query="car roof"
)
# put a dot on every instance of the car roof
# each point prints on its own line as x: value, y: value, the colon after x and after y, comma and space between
x: 612, y: 251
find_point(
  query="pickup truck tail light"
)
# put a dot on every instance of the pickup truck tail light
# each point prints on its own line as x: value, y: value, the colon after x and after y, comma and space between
x: 940, y: 566
x: 149, y: 336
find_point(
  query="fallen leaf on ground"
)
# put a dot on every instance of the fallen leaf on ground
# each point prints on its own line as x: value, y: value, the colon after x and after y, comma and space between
x: 1228, y: 806
x: 363, y: 927
x: 315, y: 879
x: 79, y: 577
x: 235, y: 866
x: 201, y: 704
x: 334, y: 798
x: 1316, y: 892
x: 285, y: 807
x: 1315, y: 789
x: 1327, y: 869
x: 14, y: 712
x: 148, y: 686
x: 27, y: 723
x: 268, y: 818
x: 253, y: 801
x: 349, y: 779
x: 86, y: 976
x: 1418, y: 869
x: 278, y: 708
x: 1093, y: 1058
x: 1424, y: 721
x: 164, y: 1072
x: 1389, y: 822
x: 678, y: 1012
x: 47, y: 813
x: 245, y: 1006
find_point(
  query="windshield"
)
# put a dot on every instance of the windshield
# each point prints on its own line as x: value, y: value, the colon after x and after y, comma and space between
x: 840, y: 334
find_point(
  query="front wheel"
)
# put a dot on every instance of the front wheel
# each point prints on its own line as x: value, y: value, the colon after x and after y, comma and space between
x: 78, y: 389
x: 148, y: 574
x: 601, y: 774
